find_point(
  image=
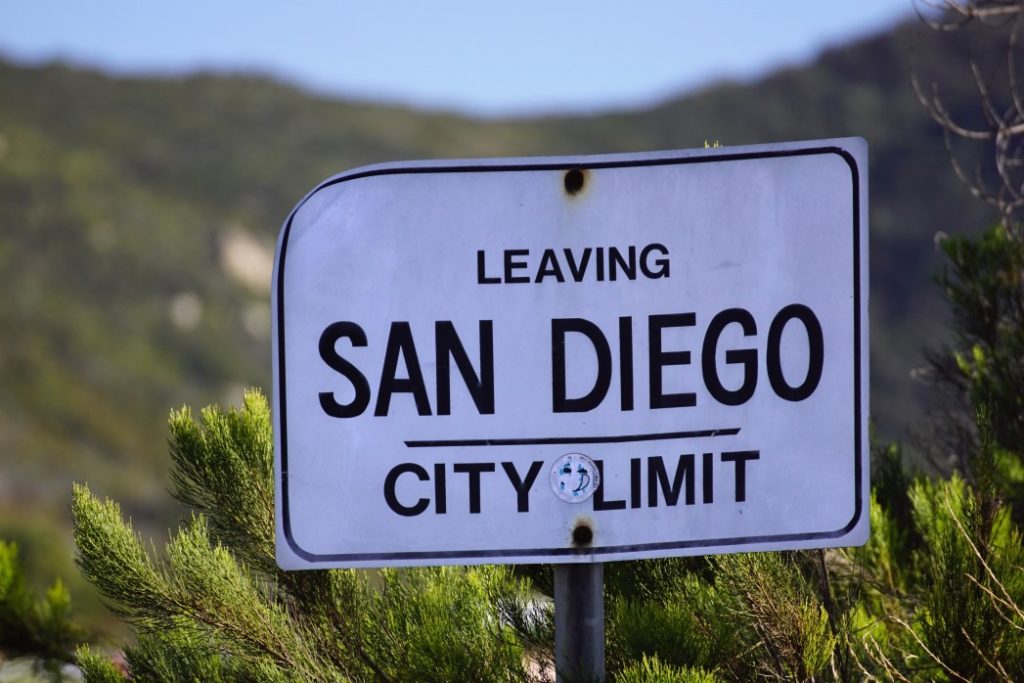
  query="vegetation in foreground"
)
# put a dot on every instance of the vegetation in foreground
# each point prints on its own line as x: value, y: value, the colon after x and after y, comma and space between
x: 937, y: 594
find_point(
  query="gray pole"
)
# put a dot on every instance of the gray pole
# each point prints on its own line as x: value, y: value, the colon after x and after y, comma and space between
x: 579, y: 622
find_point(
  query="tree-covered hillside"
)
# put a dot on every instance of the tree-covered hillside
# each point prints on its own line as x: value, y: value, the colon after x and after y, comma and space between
x: 138, y: 217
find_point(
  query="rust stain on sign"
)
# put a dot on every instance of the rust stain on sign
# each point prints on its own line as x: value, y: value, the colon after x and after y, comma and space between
x: 583, y: 532
x: 575, y: 181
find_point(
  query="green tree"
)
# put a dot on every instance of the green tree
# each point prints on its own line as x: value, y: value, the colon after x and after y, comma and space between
x: 938, y: 600
x: 983, y: 368
x: 30, y: 626
x: 984, y: 283
x: 214, y: 606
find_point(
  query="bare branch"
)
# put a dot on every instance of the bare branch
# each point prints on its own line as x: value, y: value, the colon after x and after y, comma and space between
x: 877, y: 654
x: 987, y: 108
x: 1002, y: 131
x: 1006, y: 598
x: 938, y: 25
x: 997, y: 668
x: 1018, y: 101
x: 931, y: 654
x: 955, y: 14
x: 975, y: 186
x: 997, y: 602
x: 933, y: 104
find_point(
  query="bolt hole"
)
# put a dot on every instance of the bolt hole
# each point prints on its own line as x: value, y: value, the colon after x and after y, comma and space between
x: 573, y: 180
x: 582, y: 535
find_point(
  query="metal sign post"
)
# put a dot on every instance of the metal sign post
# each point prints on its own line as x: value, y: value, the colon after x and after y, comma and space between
x: 579, y: 622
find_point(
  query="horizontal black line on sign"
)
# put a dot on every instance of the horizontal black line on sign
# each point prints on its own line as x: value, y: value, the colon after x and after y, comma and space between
x: 556, y: 440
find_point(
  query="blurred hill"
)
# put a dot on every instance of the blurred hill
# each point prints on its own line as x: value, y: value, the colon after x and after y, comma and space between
x: 138, y: 218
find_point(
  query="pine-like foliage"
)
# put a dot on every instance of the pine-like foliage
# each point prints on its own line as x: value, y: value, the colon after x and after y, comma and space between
x: 32, y: 626
x: 984, y: 282
x: 214, y: 607
x: 943, y: 599
x: 653, y: 670
x: 739, y: 617
x: 937, y: 593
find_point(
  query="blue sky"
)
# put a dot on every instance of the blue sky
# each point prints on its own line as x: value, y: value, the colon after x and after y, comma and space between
x: 488, y: 58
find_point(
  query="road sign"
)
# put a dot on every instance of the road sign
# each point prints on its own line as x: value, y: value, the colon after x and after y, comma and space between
x: 574, y: 359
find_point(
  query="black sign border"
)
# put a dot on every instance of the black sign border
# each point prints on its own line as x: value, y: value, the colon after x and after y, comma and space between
x: 545, y: 554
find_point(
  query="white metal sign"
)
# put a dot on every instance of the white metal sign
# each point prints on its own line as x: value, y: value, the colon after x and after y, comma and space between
x: 574, y: 359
